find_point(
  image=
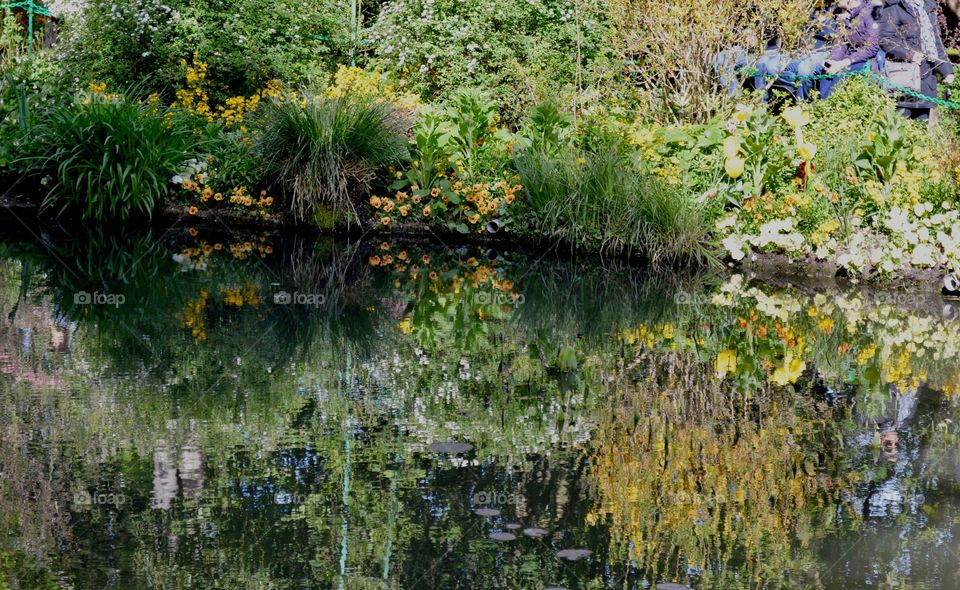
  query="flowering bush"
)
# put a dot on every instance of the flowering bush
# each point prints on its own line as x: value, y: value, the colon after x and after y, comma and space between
x: 883, y: 204
x: 456, y: 152
x: 247, y: 43
x: 523, y: 51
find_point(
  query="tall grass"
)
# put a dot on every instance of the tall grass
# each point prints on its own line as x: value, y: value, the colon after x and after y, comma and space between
x: 107, y: 157
x: 594, y: 199
x: 328, y: 150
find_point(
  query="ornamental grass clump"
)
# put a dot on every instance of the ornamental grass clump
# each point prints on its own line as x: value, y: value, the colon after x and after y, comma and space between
x: 593, y: 199
x: 327, y: 150
x: 107, y: 157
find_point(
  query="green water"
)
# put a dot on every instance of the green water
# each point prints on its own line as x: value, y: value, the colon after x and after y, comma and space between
x: 254, y: 411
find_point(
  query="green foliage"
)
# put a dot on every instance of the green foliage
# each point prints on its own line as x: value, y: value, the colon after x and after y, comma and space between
x: 524, y: 52
x: 886, y: 146
x: 328, y: 150
x: 246, y: 42
x: 107, y: 157
x: 851, y: 111
x: 546, y: 127
x: 594, y: 198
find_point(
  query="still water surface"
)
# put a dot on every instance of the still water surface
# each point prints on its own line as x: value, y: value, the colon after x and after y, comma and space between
x: 195, y: 410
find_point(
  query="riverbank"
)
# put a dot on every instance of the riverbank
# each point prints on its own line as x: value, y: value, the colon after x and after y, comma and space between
x: 845, y: 184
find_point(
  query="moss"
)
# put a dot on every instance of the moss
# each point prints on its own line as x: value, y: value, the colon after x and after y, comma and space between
x: 323, y: 217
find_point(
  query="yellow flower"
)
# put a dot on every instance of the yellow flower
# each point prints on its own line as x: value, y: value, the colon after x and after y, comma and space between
x: 385, y: 221
x: 734, y: 167
x: 806, y: 151
x: 731, y: 147
x: 796, y: 117
x: 726, y: 362
x: 473, y: 219
x: 426, y: 211
x: 375, y: 202
x: 193, y: 210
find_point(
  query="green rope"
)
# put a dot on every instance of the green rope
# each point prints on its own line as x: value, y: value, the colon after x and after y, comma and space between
x: 28, y: 6
x: 870, y: 75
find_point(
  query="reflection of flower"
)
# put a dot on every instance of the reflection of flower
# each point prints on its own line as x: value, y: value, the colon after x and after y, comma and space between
x: 726, y: 362
x: 788, y: 373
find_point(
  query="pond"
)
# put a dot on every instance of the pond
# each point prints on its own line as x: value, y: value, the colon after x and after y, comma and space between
x: 193, y: 409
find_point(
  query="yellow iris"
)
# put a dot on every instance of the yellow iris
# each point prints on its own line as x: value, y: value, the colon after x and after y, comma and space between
x: 734, y: 167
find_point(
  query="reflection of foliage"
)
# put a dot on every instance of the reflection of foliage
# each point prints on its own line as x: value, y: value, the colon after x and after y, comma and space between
x: 756, y: 336
x: 684, y: 470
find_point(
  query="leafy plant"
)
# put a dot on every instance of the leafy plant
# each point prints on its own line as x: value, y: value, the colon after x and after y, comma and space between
x: 107, y: 157
x: 885, y: 147
x: 328, y: 150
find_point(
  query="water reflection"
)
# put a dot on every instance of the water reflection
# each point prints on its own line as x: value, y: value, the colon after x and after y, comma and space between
x: 269, y: 411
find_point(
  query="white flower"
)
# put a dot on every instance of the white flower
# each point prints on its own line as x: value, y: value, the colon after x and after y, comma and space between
x: 923, y: 255
x: 734, y: 245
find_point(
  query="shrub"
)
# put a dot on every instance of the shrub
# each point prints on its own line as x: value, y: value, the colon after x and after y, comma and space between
x: 672, y: 46
x: 524, y: 51
x: 246, y: 42
x: 326, y: 150
x: 107, y: 157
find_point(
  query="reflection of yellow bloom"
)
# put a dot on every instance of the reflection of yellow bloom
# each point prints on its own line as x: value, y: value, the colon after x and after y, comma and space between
x: 406, y: 326
x: 734, y: 167
x: 726, y: 362
x: 790, y: 371
x: 796, y: 117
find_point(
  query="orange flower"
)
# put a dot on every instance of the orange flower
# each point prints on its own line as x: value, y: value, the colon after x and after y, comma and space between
x: 426, y: 211
x: 434, y: 192
x: 473, y: 219
x: 388, y: 206
x: 192, y: 231
x: 384, y: 246
x: 218, y: 247
x: 402, y: 255
x: 374, y: 260
x: 508, y: 198
x: 268, y: 201
x: 193, y: 210
x: 218, y: 197
x: 426, y: 259
x: 433, y: 275
x: 375, y: 201
x: 415, y: 199
x: 385, y: 221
